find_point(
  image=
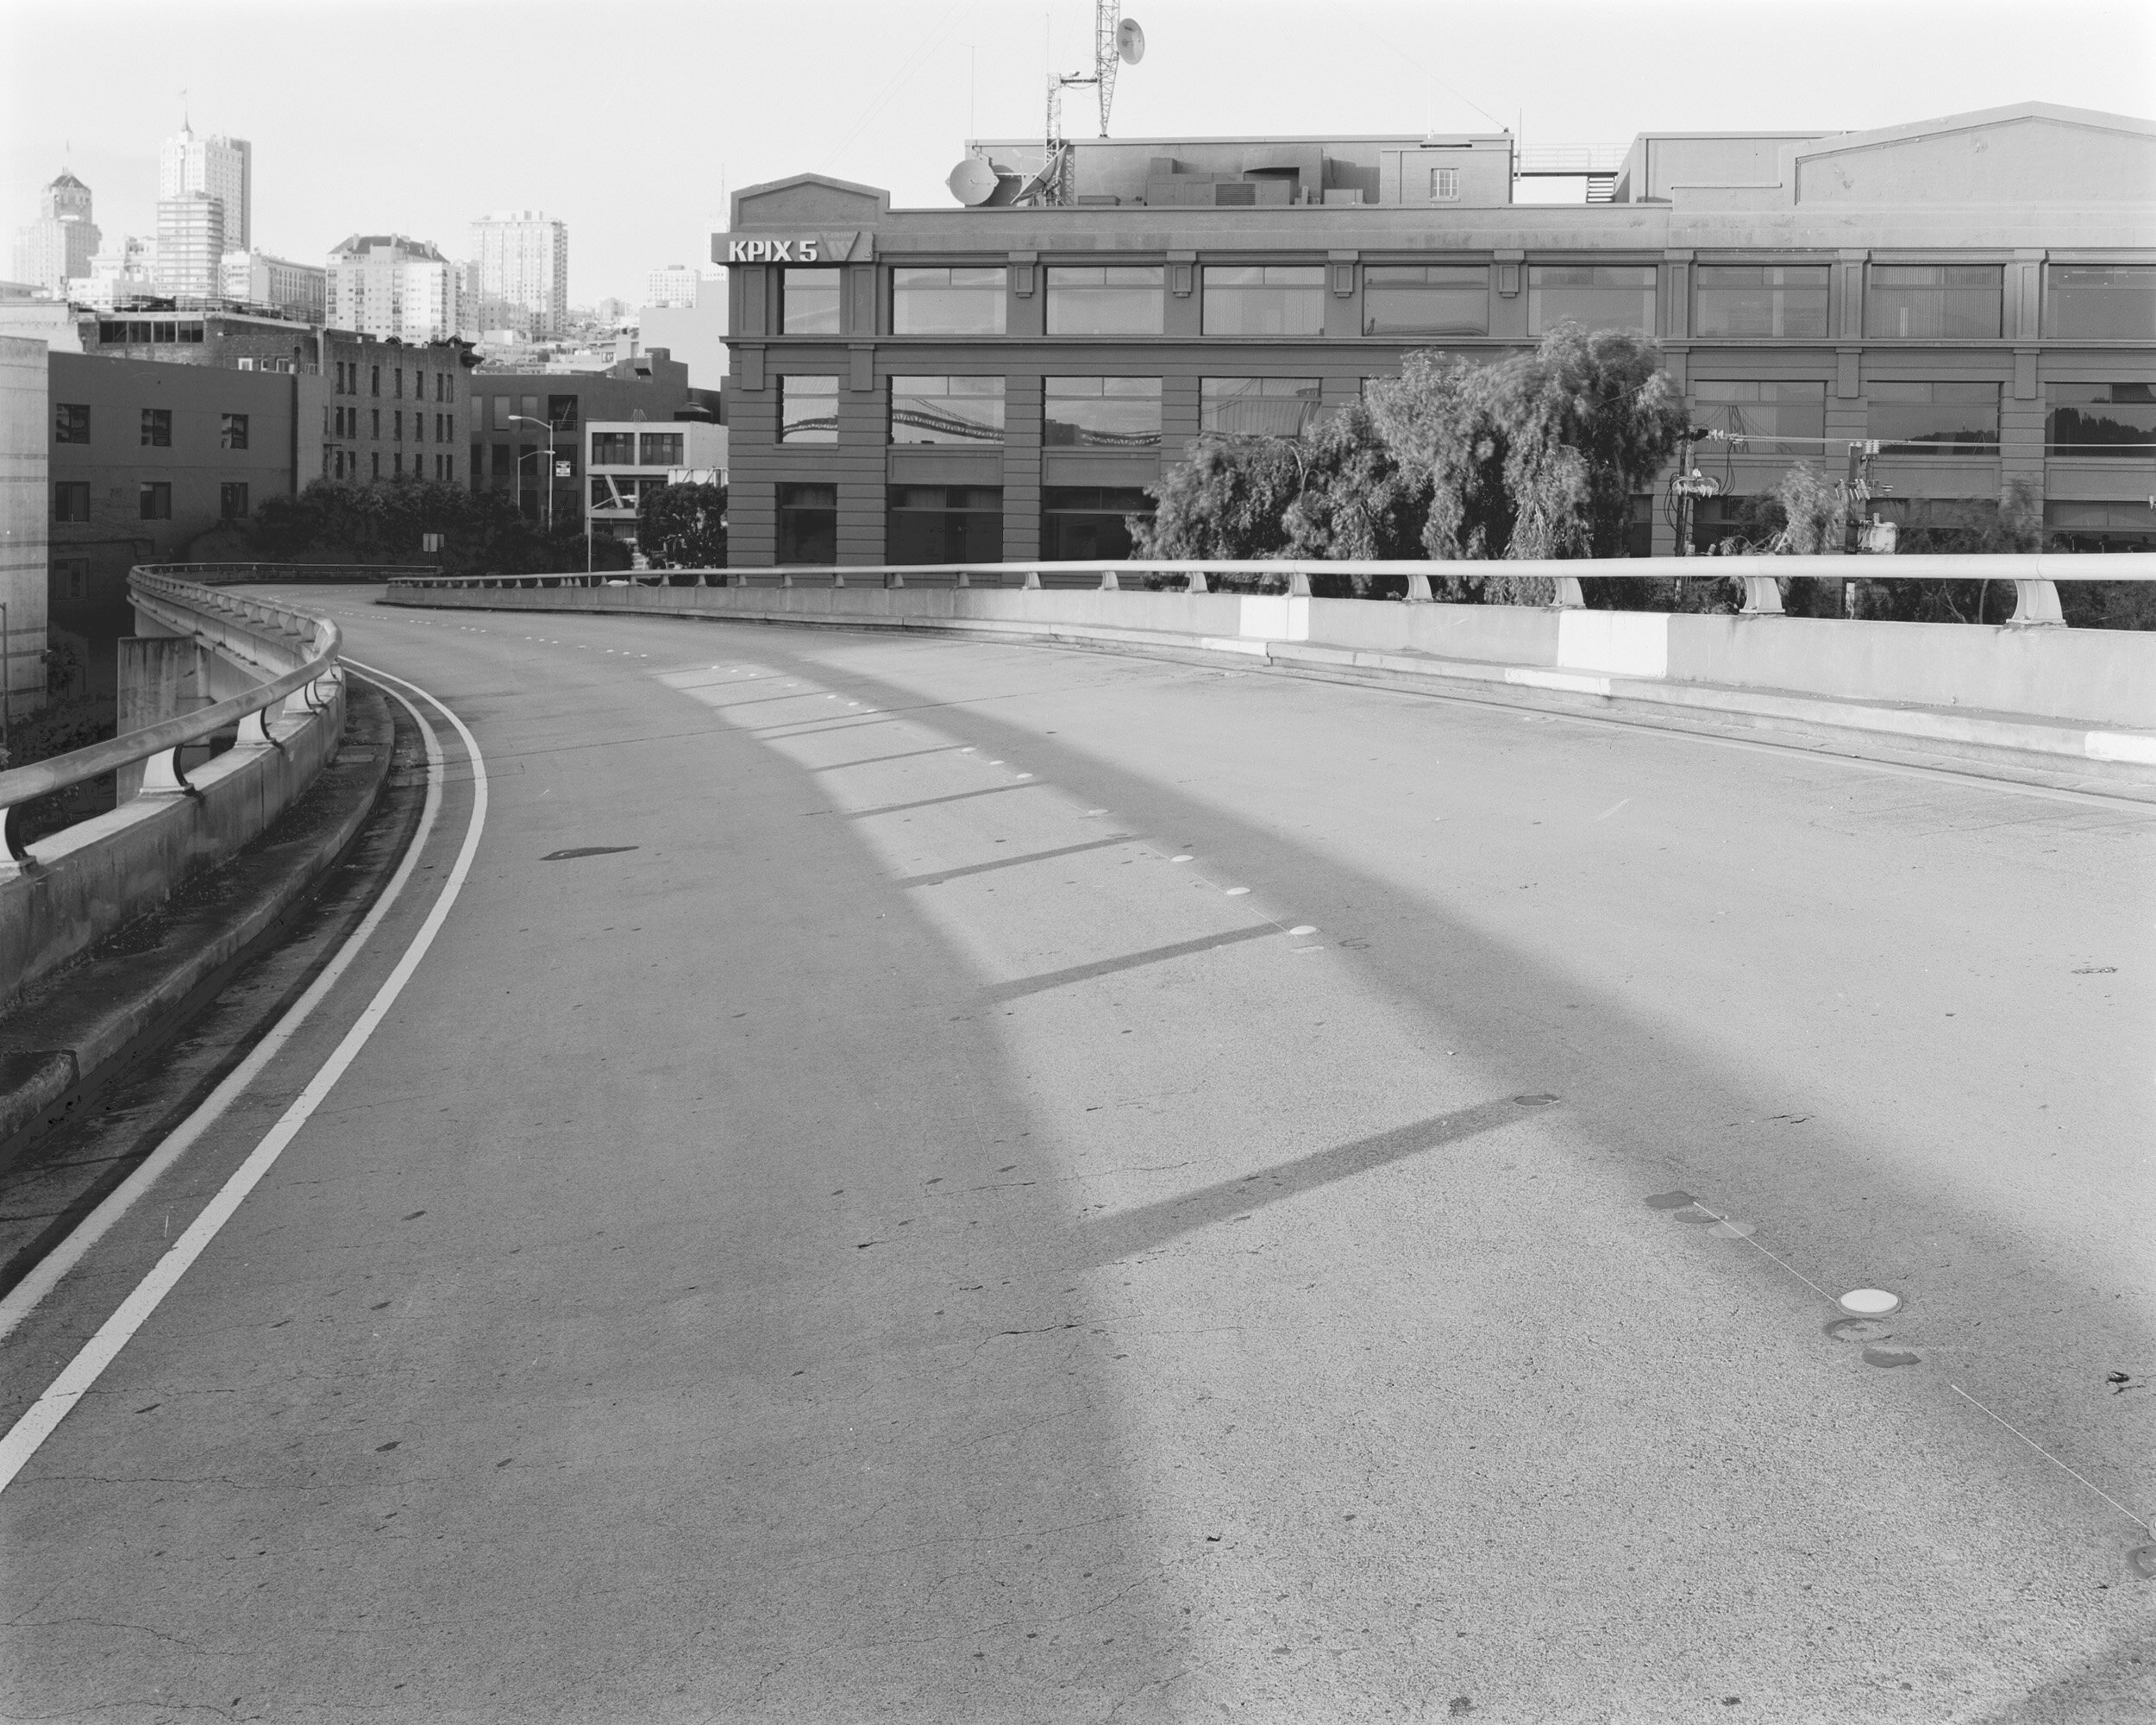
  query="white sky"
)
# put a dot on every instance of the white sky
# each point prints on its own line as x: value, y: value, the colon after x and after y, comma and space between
x: 626, y: 117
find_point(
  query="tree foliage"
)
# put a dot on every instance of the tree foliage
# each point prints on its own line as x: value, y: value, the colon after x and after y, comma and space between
x: 1537, y: 455
x: 1229, y: 500
x: 336, y: 521
x: 683, y: 526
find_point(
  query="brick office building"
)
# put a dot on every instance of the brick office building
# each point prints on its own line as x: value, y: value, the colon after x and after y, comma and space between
x: 1978, y: 293
x: 144, y: 460
x: 517, y: 416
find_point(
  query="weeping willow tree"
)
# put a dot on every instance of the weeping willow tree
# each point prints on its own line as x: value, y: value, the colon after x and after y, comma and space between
x: 1538, y: 456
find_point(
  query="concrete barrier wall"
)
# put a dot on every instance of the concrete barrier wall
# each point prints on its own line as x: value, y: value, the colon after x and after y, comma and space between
x: 84, y: 883
x: 2100, y: 677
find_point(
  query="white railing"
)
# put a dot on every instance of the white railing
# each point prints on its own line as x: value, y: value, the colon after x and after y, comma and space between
x: 2034, y: 575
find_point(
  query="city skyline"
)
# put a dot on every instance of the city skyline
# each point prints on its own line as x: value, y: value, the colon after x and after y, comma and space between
x: 899, y: 87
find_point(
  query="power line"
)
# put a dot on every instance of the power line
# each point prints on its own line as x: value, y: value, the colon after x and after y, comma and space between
x: 1372, y: 30
x: 912, y: 64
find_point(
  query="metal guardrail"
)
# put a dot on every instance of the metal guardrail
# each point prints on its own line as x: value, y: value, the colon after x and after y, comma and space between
x: 214, y: 575
x: 159, y: 744
x: 2034, y: 575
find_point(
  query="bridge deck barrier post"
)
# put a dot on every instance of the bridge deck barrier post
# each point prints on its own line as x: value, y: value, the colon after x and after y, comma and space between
x: 1108, y: 583
x: 1197, y: 582
x: 1568, y: 596
x: 1032, y: 581
x: 1418, y: 590
x: 2036, y: 606
x: 1763, y: 596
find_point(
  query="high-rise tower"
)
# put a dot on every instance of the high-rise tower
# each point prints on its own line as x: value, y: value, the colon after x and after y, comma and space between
x: 222, y: 168
x: 521, y: 259
x: 60, y: 243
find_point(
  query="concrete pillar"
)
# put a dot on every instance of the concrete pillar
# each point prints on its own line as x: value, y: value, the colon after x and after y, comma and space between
x: 161, y: 676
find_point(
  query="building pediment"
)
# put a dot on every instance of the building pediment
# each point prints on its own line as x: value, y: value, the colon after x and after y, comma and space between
x: 809, y: 200
x: 2032, y: 153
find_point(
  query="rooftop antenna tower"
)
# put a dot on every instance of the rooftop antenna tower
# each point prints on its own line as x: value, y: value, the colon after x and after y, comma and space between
x: 1116, y: 41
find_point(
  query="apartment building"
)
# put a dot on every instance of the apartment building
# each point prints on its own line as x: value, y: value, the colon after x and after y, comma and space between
x: 388, y: 285
x: 519, y: 274
x: 1975, y: 294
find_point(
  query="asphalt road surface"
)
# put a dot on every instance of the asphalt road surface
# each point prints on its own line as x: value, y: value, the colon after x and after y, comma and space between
x: 922, y: 1180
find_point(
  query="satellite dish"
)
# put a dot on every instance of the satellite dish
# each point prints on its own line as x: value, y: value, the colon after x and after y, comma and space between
x: 1130, y: 42
x: 972, y: 182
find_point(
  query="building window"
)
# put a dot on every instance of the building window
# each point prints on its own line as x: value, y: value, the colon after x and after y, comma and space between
x: 340, y: 464
x: 1264, y: 299
x: 2100, y: 419
x: 1933, y: 418
x: 1425, y: 299
x: 165, y: 332
x: 1760, y: 412
x: 232, y: 430
x: 504, y: 468
x: 441, y: 387
x: 948, y: 302
x: 419, y: 386
x: 397, y: 425
x: 73, y: 577
x: 448, y: 434
x: 70, y: 500
x: 1445, y: 186
x: 71, y: 423
x: 375, y: 381
x: 808, y: 409
x: 659, y: 449
x: 613, y: 449
x: 375, y: 418
x: 944, y: 524
x: 947, y: 410
x: 808, y: 301
x: 157, y: 428
x: 397, y: 383
x: 375, y: 459
x: 1934, y: 301
x: 504, y: 407
x: 154, y: 500
x: 1262, y: 407
x: 396, y: 465
x: 561, y: 411
x: 1761, y: 300
x: 1600, y: 296
x: 808, y: 524
x: 191, y: 332
x: 1106, y: 300
x: 1081, y: 522
x: 232, y: 501
x: 2112, y: 302
x: 1101, y: 413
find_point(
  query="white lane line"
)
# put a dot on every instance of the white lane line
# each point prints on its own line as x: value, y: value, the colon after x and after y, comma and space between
x: 25, y: 1437
x: 27, y: 1294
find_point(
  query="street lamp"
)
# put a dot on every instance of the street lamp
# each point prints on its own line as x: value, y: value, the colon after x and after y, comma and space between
x: 548, y: 424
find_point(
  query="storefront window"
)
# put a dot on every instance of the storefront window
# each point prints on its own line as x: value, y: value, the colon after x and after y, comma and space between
x: 1600, y: 296
x: 1105, y: 299
x: 1760, y: 413
x: 808, y: 524
x: 808, y: 409
x: 947, y: 410
x: 1264, y: 299
x: 944, y: 524
x: 1425, y: 299
x: 1080, y: 523
x: 1101, y: 413
x: 948, y: 302
x: 1270, y: 407
x: 809, y: 302
x: 1761, y: 300
x: 2100, y: 419
x: 1934, y: 301
x: 1933, y: 418
x: 2112, y: 303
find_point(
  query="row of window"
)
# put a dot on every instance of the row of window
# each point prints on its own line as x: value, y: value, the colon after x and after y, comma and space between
x: 131, y: 331
x: 959, y: 523
x: 154, y: 500
x: 348, y: 381
x: 1902, y: 302
x: 1125, y: 413
x: 71, y: 424
x: 343, y: 464
x: 638, y: 449
x: 340, y: 421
